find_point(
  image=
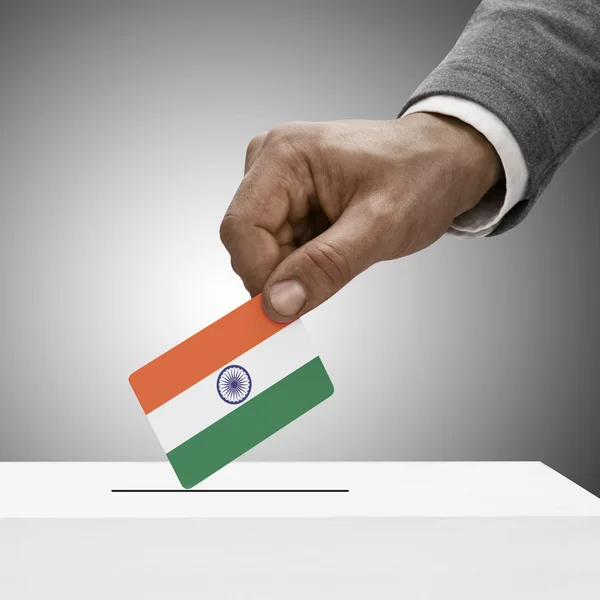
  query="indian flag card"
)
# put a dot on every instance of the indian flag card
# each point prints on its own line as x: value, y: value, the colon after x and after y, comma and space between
x: 227, y: 388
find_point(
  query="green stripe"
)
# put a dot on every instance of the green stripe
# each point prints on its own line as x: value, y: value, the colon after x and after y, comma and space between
x: 246, y: 426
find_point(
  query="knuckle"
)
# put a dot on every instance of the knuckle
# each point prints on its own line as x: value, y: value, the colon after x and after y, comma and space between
x: 275, y: 135
x: 329, y: 261
x: 288, y: 145
x: 255, y: 144
x: 228, y: 229
x: 287, y: 133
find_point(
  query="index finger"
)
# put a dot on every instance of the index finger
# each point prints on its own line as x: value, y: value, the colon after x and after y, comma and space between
x: 255, y: 230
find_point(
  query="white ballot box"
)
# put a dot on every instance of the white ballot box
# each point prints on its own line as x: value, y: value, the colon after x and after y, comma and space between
x: 297, y: 530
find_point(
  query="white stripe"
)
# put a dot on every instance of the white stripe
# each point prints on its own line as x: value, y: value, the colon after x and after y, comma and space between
x: 200, y: 406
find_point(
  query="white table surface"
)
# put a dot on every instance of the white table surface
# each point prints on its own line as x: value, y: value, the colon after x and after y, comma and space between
x: 414, y: 530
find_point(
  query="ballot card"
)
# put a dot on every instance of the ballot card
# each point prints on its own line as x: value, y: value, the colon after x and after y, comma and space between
x: 228, y: 387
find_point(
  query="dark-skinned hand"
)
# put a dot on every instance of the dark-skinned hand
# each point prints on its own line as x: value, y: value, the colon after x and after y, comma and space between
x: 322, y: 202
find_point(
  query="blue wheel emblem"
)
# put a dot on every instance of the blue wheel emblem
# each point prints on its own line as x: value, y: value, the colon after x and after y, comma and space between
x: 234, y: 384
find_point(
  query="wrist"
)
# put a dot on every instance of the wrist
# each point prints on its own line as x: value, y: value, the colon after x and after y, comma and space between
x: 472, y: 161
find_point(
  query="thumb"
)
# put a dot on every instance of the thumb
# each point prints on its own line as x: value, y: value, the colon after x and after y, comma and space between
x: 321, y: 267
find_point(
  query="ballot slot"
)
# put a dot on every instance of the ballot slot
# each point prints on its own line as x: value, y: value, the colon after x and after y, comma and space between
x: 274, y: 491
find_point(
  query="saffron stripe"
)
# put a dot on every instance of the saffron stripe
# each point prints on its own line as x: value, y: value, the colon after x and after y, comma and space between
x: 200, y: 355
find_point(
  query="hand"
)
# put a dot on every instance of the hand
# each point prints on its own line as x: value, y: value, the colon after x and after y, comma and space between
x: 322, y: 202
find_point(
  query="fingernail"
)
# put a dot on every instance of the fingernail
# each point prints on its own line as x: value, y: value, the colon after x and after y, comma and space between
x: 287, y: 297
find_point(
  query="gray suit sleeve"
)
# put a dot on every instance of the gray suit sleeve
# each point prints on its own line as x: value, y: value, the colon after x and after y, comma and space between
x: 536, y: 65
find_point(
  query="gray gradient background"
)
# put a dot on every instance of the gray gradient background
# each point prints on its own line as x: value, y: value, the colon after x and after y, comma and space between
x: 123, y: 128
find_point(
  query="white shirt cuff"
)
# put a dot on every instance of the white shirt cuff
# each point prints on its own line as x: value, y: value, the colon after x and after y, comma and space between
x: 483, y: 218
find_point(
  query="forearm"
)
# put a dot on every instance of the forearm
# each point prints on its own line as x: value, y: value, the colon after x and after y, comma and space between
x: 536, y: 65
